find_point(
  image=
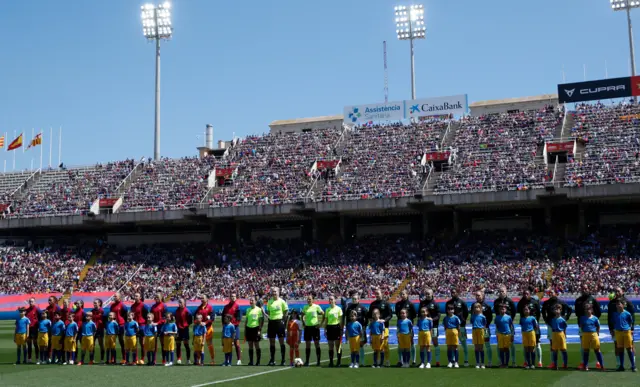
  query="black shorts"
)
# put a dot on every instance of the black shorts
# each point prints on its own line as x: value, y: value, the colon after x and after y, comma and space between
x: 252, y: 334
x: 333, y: 332
x: 33, y: 333
x: 312, y: 333
x: 99, y: 333
x: 276, y: 329
x: 160, y: 332
x: 183, y: 334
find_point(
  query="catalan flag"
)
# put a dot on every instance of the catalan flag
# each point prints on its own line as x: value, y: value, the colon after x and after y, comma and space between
x: 15, y: 144
x: 1, y: 141
x: 37, y: 140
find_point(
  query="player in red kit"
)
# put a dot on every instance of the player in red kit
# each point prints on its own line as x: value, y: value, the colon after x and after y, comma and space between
x: 183, y: 321
x: 120, y: 310
x: 51, y: 310
x: 140, y: 311
x: 33, y: 314
x: 98, y: 318
x: 78, y: 318
x: 208, y: 317
x: 233, y: 309
x: 159, y: 310
x: 65, y: 310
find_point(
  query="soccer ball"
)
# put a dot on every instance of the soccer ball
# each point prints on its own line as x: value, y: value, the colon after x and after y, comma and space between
x: 297, y: 362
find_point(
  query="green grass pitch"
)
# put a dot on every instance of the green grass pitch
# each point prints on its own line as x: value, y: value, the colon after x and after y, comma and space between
x: 99, y: 375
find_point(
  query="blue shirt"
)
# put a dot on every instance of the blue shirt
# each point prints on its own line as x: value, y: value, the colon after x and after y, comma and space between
x: 71, y: 330
x: 22, y: 325
x: 354, y: 329
x: 229, y: 331
x: 622, y: 321
x: 589, y: 324
x: 376, y: 328
x: 170, y: 328
x: 149, y: 330
x: 452, y: 322
x: 558, y: 324
x: 89, y: 329
x: 528, y: 324
x: 405, y: 327
x: 198, y: 330
x: 425, y: 324
x: 503, y: 324
x: 44, y: 326
x: 112, y: 328
x: 478, y: 321
x: 131, y: 328
x: 57, y: 329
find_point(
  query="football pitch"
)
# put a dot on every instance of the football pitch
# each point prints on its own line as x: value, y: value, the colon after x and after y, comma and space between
x: 191, y: 376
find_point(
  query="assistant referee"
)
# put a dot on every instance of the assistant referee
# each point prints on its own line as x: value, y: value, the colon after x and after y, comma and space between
x: 277, y: 312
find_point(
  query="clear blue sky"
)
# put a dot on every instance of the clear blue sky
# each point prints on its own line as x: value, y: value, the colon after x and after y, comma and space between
x: 238, y: 65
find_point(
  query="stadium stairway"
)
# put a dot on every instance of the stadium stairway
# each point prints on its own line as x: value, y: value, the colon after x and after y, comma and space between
x: 449, y: 135
x: 127, y: 181
x: 90, y: 263
x: 565, y: 129
x: 21, y: 192
x: 396, y: 293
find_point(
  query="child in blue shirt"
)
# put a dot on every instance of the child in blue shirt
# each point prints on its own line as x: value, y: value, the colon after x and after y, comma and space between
x: 57, y: 338
x: 354, y: 331
x: 623, y: 324
x: 479, y: 324
x: 405, y: 337
x: 376, y: 328
x: 20, y: 335
x: 228, y: 334
x: 425, y: 325
x: 452, y: 324
x: 44, y: 331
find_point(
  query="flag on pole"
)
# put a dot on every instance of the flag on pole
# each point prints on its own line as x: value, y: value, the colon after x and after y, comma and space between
x: 37, y: 140
x: 1, y: 141
x: 15, y: 144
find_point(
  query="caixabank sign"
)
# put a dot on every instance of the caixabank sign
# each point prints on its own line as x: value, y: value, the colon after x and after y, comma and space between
x: 599, y: 89
x: 407, y: 109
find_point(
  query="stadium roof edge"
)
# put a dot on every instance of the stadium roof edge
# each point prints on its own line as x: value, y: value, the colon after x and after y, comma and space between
x: 536, y: 98
x: 306, y: 120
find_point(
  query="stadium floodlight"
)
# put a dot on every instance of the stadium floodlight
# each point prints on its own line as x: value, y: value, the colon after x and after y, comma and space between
x: 626, y: 5
x: 410, y: 25
x: 156, y: 25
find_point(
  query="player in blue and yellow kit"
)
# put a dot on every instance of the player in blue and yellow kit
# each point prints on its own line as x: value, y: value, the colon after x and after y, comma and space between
x: 590, y: 328
x: 199, y: 330
x: 131, y: 329
x: 57, y: 338
x: 405, y: 337
x: 378, y: 338
x: 150, y: 331
x: 504, y: 331
x: 170, y: 330
x: 88, y: 332
x: 479, y: 324
x: 529, y: 326
x: 354, y: 330
x: 623, y: 324
x: 44, y: 330
x: 425, y: 325
x: 20, y: 335
x: 111, y: 330
x: 228, y: 335
x: 559, y: 338
x: 452, y: 324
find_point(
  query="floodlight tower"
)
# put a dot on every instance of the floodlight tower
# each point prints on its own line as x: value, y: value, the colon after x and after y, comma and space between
x: 409, y: 26
x: 626, y: 5
x: 156, y: 25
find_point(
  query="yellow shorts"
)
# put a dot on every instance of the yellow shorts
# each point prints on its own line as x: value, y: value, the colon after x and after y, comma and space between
x: 590, y: 340
x: 20, y: 339
x: 385, y: 344
x: 624, y: 339
x: 130, y: 343
x: 149, y: 343
x: 529, y: 339
x: 504, y: 341
x: 110, y: 342
x: 478, y: 336
x: 404, y: 341
x: 559, y: 341
x: 43, y: 339
x: 227, y: 345
x: 169, y: 343
x: 451, y: 336
x: 378, y: 342
x: 209, y: 335
x: 354, y: 343
x: 424, y: 339
x: 69, y: 344
x: 198, y: 343
x: 87, y: 343
x: 56, y: 343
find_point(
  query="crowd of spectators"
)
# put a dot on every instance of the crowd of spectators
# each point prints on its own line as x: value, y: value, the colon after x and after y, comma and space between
x: 611, y: 138
x: 499, y: 152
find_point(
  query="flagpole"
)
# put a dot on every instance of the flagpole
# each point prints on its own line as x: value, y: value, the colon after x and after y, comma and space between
x: 14, y: 154
x: 60, y: 148
x: 33, y: 131
x: 41, y: 146
x: 50, y: 144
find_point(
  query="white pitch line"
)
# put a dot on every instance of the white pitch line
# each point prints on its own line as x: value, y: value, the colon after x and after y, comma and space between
x: 267, y: 372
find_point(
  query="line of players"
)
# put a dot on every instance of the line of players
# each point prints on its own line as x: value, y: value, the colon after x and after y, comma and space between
x: 554, y: 312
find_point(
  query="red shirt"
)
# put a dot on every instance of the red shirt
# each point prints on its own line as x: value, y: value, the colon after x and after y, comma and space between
x: 78, y: 317
x: 64, y: 313
x: 158, y: 309
x: 51, y: 311
x: 119, y: 309
x: 233, y: 309
x: 32, y: 314
x: 182, y: 318
x: 98, y: 317
x: 139, y: 310
x: 205, y: 311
